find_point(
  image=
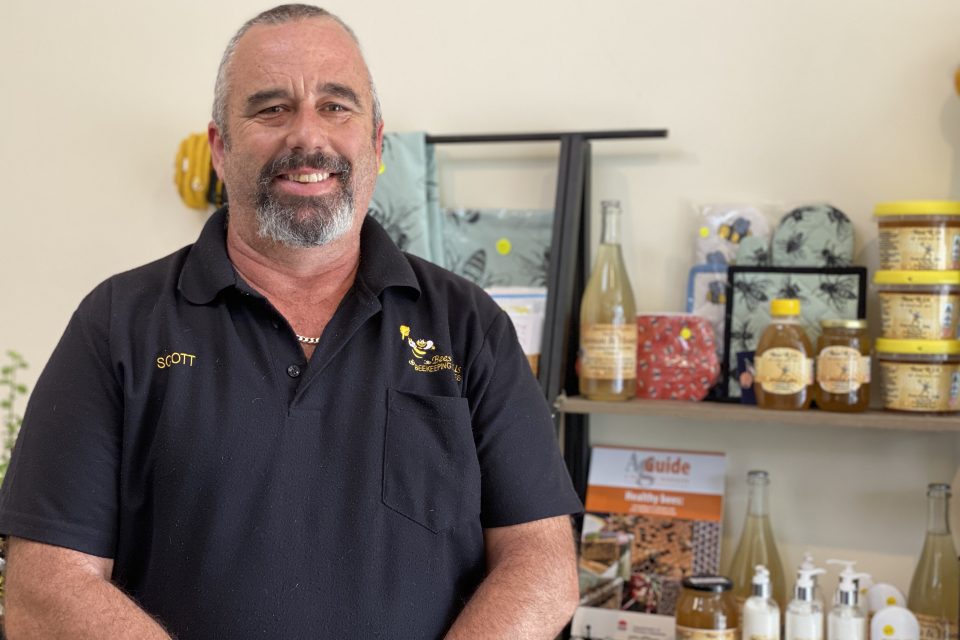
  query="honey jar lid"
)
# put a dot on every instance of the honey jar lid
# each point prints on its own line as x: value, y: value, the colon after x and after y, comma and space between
x: 919, y: 347
x: 918, y: 208
x: 712, y: 584
x: 785, y: 307
x: 917, y: 277
x: 843, y: 323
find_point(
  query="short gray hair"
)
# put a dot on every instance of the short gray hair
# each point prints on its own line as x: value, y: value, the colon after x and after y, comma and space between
x: 278, y: 15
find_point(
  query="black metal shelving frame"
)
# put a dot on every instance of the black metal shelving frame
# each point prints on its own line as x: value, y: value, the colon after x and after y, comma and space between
x: 567, y: 274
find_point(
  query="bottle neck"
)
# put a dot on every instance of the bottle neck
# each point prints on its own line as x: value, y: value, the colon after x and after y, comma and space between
x: 761, y: 590
x: 611, y: 225
x: 757, y: 496
x: 937, y: 516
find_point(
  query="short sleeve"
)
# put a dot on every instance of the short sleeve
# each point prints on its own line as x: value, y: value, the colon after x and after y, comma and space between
x: 62, y: 484
x: 523, y: 476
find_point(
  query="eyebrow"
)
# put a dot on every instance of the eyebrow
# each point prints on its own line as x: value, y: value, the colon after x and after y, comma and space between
x: 339, y: 90
x: 332, y: 88
x: 266, y: 95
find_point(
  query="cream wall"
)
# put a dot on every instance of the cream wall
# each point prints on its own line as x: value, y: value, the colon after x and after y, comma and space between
x: 771, y: 101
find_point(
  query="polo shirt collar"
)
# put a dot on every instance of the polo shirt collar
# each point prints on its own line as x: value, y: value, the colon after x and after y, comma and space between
x: 207, y: 269
x: 382, y: 263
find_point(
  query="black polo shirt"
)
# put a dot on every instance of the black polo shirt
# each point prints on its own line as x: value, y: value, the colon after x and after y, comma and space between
x: 245, y: 492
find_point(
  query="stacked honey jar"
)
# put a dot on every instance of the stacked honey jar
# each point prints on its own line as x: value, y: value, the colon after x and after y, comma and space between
x: 918, y: 285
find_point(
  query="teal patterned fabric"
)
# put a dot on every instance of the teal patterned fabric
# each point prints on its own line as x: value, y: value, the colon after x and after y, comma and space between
x: 406, y: 201
x: 813, y: 236
x: 498, y: 247
x: 491, y: 247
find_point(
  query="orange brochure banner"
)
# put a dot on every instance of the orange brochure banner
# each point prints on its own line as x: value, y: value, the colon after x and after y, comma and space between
x: 654, y: 502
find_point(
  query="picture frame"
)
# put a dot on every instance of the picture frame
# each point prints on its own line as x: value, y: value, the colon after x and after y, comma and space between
x: 824, y: 292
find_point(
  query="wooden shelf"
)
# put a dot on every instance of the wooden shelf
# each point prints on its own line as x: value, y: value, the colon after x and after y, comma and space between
x: 732, y: 412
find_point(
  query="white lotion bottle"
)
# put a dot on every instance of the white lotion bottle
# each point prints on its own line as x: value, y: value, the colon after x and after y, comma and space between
x: 846, y: 620
x: 808, y: 564
x: 805, y: 613
x: 862, y: 580
x: 760, y: 619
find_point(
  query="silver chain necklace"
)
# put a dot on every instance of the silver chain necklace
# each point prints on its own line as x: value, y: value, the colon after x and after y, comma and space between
x: 306, y: 340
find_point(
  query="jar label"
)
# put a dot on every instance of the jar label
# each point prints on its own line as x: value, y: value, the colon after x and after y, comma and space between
x: 689, y: 633
x: 914, y: 316
x: 910, y: 386
x: 842, y: 369
x: 608, y: 351
x: 934, y: 628
x: 934, y: 248
x: 784, y: 371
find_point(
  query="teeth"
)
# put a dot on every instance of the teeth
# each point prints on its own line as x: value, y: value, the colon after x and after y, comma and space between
x: 308, y: 177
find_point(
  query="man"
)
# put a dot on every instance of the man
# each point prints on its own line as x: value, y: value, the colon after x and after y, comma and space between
x: 289, y: 429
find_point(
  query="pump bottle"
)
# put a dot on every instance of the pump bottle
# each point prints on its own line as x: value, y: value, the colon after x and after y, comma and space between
x: 804, y: 613
x: 846, y: 621
x: 861, y: 580
x: 761, y: 613
x: 807, y: 563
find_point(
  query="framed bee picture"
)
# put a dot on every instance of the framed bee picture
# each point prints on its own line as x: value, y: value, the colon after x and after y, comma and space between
x: 823, y: 292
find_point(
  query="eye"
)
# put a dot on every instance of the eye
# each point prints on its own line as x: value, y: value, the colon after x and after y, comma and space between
x: 335, y: 107
x: 274, y: 109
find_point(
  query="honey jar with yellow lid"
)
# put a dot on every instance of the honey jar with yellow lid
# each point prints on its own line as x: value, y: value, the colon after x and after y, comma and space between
x: 920, y: 376
x: 919, y: 235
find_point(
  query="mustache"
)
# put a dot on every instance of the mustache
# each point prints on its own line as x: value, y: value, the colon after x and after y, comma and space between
x: 318, y: 161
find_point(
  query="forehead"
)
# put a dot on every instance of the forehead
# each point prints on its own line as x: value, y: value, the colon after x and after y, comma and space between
x: 301, y: 53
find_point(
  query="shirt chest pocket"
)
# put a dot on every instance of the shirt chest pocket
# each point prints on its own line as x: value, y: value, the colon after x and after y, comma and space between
x: 430, y: 469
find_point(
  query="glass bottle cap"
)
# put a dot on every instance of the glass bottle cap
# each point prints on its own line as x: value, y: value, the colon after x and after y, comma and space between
x: 841, y: 323
x: 938, y: 489
x: 711, y: 584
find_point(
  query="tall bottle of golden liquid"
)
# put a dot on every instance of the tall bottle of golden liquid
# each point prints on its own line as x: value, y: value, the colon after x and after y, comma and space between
x: 608, y: 320
x: 784, y: 360
x: 757, y: 545
x: 936, y: 580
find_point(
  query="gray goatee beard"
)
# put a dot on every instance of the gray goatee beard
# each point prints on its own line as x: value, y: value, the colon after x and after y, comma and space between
x: 304, y: 221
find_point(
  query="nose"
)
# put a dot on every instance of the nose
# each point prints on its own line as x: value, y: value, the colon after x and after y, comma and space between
x: 307, y: 131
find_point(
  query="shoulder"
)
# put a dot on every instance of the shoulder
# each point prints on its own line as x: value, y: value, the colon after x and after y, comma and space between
x: 135, y: 288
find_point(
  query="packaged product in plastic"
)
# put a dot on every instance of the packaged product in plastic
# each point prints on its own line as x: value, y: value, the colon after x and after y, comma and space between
x: 722, y: 227
x: 676, y: 356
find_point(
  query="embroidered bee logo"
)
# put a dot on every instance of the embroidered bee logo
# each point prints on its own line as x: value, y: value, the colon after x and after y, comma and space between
x: 421, y: 348
x: 418, y: 347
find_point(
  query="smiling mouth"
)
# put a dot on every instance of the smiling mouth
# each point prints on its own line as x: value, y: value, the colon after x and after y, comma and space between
x: 305, y: 177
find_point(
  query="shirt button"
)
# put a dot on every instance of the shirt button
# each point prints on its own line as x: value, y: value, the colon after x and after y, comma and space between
x: 276, y: 325
x: 293, y: 371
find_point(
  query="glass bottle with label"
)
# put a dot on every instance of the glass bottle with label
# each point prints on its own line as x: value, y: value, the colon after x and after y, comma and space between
x: 608, y: 320
x: 936, y: 580
x: 705, y: 610
x: 757, y: 544
x: 843, y: 366
x: 784, y: 360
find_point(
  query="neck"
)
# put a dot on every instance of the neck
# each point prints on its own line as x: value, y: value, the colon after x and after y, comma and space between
x: 283, y: 272
x: 304, y: 285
